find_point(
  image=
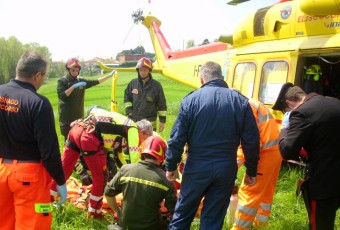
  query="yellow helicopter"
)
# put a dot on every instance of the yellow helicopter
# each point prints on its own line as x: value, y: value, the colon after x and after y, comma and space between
x: 274, y: 45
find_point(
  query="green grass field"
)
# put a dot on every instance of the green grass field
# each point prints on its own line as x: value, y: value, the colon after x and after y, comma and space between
x: 288, y: 212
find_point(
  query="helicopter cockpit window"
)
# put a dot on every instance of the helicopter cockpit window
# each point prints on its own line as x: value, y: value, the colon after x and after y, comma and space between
x: 244, y: 78
x: 274, y: 75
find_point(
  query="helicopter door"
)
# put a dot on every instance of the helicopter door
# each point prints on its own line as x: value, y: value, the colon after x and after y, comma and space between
x: 319, y: 74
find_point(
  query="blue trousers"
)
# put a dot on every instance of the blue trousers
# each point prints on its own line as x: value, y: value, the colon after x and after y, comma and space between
x: 211, y: 180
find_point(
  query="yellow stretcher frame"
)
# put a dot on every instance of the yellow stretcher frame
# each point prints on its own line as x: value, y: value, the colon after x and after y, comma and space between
x: 114, y: 103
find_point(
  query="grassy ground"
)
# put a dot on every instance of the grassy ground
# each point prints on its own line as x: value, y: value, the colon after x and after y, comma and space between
x: 288, y: 212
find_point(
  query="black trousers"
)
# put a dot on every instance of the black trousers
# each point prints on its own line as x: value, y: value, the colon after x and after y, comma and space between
x: 65, y: 129
x: 323, y: 213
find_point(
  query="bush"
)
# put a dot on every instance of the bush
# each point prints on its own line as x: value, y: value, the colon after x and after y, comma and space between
x: 128, y: 64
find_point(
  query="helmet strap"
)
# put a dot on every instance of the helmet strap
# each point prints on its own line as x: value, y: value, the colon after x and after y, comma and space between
x: 72, y: 78
x: 144, y: 79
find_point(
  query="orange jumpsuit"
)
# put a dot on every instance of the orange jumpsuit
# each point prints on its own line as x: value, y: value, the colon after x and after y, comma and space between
x: 85, y: 140
x: 255, y: 202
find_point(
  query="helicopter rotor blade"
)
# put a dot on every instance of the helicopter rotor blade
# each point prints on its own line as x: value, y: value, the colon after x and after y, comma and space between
x: 236, y: 2
x: 137, y: 16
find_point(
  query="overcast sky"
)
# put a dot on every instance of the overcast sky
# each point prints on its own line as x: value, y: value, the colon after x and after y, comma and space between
x: 102, y: 28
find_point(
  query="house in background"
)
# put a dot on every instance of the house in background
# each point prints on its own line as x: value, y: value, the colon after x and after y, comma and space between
x: 91, y: 66
x: 122, y: 58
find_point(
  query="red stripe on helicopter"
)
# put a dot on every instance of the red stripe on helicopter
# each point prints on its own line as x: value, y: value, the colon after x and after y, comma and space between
x: 194, y: 51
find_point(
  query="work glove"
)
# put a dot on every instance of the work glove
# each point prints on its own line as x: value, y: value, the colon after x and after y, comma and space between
x: 82, y: 83
x: 62, y: 191
x: 285, y: 121
x: 112, y: 72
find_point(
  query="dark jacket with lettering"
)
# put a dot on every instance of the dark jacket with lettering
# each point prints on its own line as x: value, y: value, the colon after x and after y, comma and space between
x: 27, y: 130
x: 71, y: 107
x: 144, y: 187
x: 315, y: 126
x: 144, y: 101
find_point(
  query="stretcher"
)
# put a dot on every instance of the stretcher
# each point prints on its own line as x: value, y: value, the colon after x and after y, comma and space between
x: 78, y: 196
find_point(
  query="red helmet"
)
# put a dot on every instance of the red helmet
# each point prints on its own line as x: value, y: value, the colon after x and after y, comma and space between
x: 144, y: 62
x: 155, y: 146
x: 73, y: 63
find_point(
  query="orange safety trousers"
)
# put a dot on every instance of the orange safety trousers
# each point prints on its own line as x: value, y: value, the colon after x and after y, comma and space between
x: 23, y: 187
x: 255, y: 202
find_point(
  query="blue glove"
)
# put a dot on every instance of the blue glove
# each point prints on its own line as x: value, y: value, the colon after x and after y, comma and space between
x: 285, y: 121
x: 82, y: 83
x: 112, y: 72
x: 62, y: 191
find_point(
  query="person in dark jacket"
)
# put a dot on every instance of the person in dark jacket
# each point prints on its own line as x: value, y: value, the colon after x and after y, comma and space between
x: 29, y: 149
x: 213, y: 121
x: 144, y: 97
x: 71, y: 94
x: 314, y: 125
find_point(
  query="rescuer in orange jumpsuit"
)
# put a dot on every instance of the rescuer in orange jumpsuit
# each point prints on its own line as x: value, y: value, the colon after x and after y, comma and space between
x: 255, y: 201
x: 91, y: 137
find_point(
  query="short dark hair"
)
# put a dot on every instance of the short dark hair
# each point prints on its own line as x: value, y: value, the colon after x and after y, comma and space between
x: 148, y: 156
x: 295, y: 93
x: 30, y: 63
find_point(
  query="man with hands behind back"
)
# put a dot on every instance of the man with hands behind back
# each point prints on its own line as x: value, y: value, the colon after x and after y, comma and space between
x: 29, y: 149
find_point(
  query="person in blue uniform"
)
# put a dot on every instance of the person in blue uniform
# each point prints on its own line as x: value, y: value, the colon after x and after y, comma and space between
x: 213, y: 121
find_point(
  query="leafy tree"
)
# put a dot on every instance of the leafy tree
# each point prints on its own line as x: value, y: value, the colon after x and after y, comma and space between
x: 128, y: 64
x: 205, y: 42
x: 139, y: 50
x: 41, y: 49
x: 56, y: 69
x: 190, y: 43
x: 10, y: 52
x: 151, y: 56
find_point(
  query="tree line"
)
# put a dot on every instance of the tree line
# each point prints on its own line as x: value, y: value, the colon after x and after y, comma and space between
x: 11, y: 49
x: 10, y: 52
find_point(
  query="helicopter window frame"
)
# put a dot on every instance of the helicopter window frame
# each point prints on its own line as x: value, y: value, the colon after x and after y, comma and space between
x: 273, y: 75
x: 258, y: 25
x: 244, y: 78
